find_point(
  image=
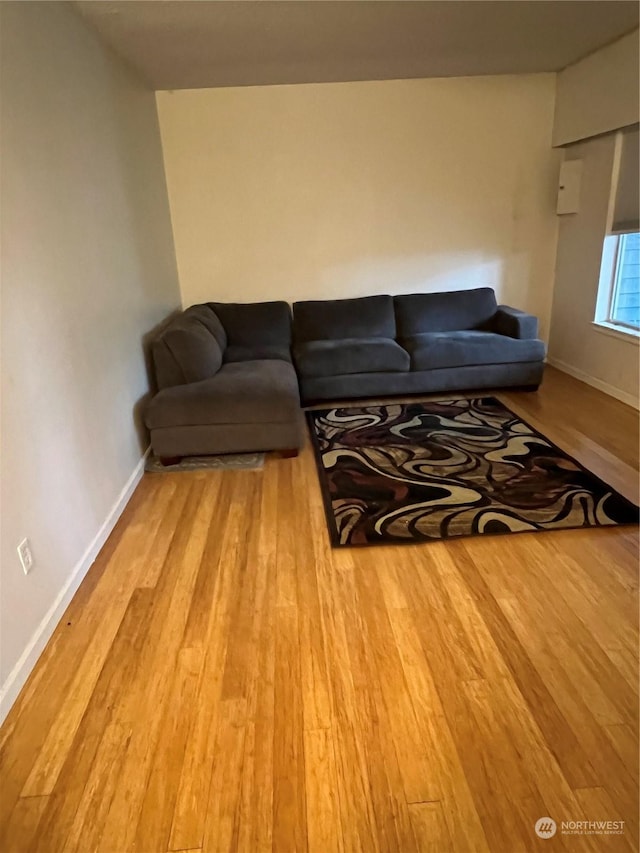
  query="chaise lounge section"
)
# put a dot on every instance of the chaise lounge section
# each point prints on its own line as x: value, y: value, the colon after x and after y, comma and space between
x: 226, y: 382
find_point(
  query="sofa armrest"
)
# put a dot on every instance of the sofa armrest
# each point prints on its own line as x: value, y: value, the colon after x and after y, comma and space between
x: 514, y: 323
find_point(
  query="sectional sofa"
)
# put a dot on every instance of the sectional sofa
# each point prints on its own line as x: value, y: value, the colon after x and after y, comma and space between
x: 231, y: 376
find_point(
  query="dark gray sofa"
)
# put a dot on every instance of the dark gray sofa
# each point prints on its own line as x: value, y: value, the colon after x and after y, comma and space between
x: 226, y: 382
x: 417, y: 343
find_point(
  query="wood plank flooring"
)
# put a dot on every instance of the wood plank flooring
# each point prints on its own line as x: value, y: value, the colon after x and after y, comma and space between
x: 225, y: 681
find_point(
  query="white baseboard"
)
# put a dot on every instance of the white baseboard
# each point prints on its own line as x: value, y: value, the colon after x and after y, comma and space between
x: 27, y: 660
x: 611, y: 390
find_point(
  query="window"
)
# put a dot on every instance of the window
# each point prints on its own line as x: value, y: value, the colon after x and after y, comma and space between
x: 618, y: 301
x: 624, y: 289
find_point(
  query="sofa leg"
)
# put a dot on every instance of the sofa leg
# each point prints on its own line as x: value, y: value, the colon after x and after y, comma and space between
x: 289, y: 453
x: 530, y: 387
x: 170, y: 460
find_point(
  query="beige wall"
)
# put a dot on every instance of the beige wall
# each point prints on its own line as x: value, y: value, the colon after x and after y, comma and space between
x: 607, y: 360
x: 596, y: 95
x: 345, y: 189
x: 87, y: 269
x: 599, y: 93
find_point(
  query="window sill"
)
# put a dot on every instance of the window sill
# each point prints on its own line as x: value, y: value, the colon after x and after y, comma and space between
x: 631, y: 336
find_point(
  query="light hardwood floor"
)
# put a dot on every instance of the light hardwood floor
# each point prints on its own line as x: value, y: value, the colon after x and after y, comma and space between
x: 225, y: 681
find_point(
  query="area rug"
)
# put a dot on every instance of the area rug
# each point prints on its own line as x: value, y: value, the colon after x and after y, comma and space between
x: 436, y: 470
x: 223, y: 462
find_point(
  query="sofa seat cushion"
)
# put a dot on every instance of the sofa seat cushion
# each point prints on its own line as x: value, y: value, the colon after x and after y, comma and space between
x: 258, y: 352
x: 350, y: 355
x: 244, y: 392
x: 461, y: 349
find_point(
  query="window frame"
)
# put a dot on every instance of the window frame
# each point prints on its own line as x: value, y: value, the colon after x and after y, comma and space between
x: 608, y: 288
x: 615, y: 283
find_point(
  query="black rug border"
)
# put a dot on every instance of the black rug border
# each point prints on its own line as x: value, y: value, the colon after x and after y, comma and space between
x: 332, y: 528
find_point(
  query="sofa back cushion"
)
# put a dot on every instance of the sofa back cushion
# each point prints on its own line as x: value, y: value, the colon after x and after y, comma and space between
x: 254, y: 324
x: 207, y: 316
x: 336, y: 319
x: 185, y: 351
x: 455, y: 311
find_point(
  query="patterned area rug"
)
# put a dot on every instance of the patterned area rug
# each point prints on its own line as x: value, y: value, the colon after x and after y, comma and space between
x: 425, y: 471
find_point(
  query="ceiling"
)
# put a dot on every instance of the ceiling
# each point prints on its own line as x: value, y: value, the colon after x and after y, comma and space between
x: 182, y: 44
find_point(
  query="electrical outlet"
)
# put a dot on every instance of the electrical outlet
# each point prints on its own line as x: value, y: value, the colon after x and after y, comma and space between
x: 25, y: 555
